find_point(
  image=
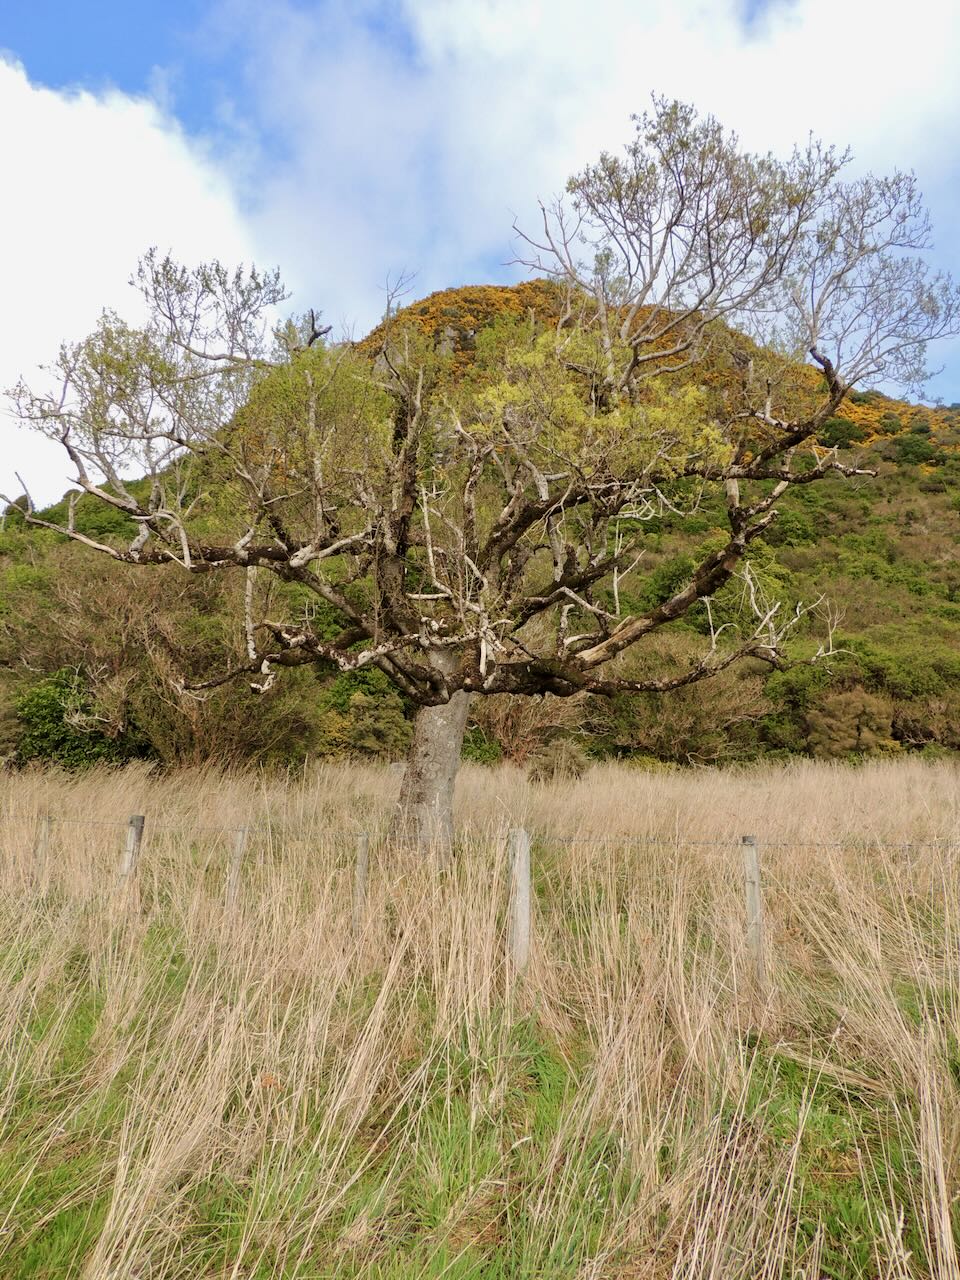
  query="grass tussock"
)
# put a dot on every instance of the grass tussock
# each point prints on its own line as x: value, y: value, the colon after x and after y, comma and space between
x: 282, y: 1090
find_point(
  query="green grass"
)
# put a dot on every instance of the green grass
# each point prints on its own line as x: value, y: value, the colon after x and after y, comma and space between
x: 190, y: 1096
x: 455, y: 1200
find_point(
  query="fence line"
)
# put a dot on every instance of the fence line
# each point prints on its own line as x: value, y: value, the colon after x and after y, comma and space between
x: 273, y: 830
x: 519, y: 917
x: 117, y: 822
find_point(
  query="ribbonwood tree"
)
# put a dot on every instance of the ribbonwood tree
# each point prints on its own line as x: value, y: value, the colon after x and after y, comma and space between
x: 478, y: 528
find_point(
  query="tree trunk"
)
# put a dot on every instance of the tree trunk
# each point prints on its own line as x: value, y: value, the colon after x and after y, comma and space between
x: 425, y: 812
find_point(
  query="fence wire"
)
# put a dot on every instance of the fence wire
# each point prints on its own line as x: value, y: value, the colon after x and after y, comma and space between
x: 276, y: 832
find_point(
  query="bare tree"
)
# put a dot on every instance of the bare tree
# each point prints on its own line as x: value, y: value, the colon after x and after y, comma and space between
x: 479, y: 533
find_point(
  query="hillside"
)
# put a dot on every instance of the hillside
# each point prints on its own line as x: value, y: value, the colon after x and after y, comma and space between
x: 88, y: 650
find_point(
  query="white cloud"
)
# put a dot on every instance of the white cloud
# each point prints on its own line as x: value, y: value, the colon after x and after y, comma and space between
x: 372, y: 136
x: 416, y: 152
x: 91, y: 181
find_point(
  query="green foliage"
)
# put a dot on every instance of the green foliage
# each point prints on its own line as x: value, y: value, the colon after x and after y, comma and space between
x: 895, y: 577
x: 480, y: 749
x: 911, y: 450
x: 851, y: 722
x: 731, y: 606
x: 557, y: 759
x: 889, y: 424
x: 792, y: 529
x: 841, y: 433
x: 361, y: 713
x: 337, y: 692
x: 94, y: 519
x: 19, y: 580
x: 666, y: 580
x: 315, y: 412
x: 57, y: 728
x: 701, y: 724
x: 549, y: 402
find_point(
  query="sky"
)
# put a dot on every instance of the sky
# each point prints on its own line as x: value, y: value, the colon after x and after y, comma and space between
x: 349, y: 141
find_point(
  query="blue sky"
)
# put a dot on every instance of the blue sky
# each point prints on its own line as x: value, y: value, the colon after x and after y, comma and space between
x: 349, y: 140
x: 100, y: 42
x: 139, y: 47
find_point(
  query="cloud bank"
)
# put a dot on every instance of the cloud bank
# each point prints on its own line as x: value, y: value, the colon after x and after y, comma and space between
x: 91, y: 182
x: 410, y: 134
x: 361, y: 138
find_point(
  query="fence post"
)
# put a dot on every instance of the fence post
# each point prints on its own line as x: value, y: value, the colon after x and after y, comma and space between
x: 43, y: 853
x: 754, y: 903
x: 360, y: 875
x: 236, y: 863
x: 518, y: 926
x: 131, y: 851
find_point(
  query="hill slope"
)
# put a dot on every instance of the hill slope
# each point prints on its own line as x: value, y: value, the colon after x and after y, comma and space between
x: 884, y: 552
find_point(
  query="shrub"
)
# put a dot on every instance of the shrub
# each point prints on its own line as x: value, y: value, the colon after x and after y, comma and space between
x: 791, y: 694
x: 363, y: 723
x: 480, y: 749
x: 510, y: 728
x: 912, y: 450
x: 717, y: 721
x: 57, y: 726
x: 95, y: 519
x: 667, y: 579
x: 559, y: 758
x: 377, y: 727
x: 841, y: 433
x: 889, y: 424
x: 791, y: 529
x: 849, y: 722
x: 929, y: 722
x: 650, y: 764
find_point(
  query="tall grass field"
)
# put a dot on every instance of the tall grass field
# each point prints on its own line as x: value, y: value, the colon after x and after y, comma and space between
x: 294, y: 1088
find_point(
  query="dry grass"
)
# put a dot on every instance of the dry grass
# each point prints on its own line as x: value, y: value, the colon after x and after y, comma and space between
x: 186, y: 1092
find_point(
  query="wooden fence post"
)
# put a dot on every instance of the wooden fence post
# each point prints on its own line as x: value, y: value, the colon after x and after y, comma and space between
x: 361, y: 874
x: 234, y: 868
x: 754, y: 903
x: 518, y: 925
x: 43, y: 853
x: 131, y: 850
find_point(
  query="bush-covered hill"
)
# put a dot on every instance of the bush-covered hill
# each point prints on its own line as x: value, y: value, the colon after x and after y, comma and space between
x: 91, y: 652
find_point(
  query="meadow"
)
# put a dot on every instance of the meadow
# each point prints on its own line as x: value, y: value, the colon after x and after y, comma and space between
x: 278, y: 1090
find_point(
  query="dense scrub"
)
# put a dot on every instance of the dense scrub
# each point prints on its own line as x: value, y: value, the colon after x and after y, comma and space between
x: 93, y: 655
x: 91, y: 652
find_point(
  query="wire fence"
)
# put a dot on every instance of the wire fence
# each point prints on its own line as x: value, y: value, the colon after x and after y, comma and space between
x: 517, y: 841
x: 547, y: 838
